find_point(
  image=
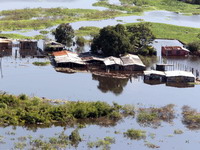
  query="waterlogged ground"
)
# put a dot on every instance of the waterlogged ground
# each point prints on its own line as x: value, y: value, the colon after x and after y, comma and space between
x: 21, y: 76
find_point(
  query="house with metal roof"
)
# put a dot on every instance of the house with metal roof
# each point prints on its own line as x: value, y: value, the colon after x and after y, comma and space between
x: 174, y: 51
x: 132, y: 62
x: 67, y: 59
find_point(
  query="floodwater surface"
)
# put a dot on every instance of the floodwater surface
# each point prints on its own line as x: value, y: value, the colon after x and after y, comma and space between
x: 19, y: 75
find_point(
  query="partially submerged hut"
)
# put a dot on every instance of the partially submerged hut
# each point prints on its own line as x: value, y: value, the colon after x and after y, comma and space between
x: 132, y: 63
x: 51, y: 46
x: 68, y: 59
x: 5, y: 47
x: 113, y: 63
x: 179, y: 76
x: 28, y: 47
x: 155, y: 75
x: 174, y: 51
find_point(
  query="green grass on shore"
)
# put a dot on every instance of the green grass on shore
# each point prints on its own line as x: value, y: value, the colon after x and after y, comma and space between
x: 135, y: 6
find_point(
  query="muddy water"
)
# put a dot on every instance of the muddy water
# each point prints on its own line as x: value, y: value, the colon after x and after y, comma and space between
x: 20, y: 4
x: 21, y: 76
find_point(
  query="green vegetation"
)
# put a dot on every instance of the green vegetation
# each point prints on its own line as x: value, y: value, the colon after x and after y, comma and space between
x: 191, y: 118
x: 153, y: 116
x: 18, y: 36
x: 83, y: 31
x: 42, y: 18
x: 178, y: 131
x: 41, y: 63
x: 23, y: 110
x: 135, y: 134
x: 102, y: 143
x: 117, y: 40
x: 64, y: 34
x: 191, y: 1
x: 135, y: 6
x: 165, y: 31
x: 194, y: 47
x: 80, y: 41
x: 75, y: 138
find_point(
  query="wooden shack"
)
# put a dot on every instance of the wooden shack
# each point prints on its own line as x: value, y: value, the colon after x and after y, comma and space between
x: 174, y: 51
x: 5, y: 47
x: 179, y: 76
x: 27, y: 48
x: 51, y: 46
x: 132, y: 63
x: 68, y: 59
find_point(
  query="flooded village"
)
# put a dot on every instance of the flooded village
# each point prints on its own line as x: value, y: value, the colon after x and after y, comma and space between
x: 59, y: 96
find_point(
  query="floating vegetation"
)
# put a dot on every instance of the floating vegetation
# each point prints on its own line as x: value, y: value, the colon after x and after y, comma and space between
x: 135, y: 134
x: 191, y: 118
x: 75, y: 137
x: 41, y: 63
x: 150, y: 145
x: 102, y: 143
x: 153, y: 116
x: 178, y: 131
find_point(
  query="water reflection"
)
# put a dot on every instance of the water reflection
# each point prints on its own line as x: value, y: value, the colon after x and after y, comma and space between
x: 107, y: 84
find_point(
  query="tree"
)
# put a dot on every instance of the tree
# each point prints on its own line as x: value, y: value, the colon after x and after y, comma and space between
x: 113, y: 41
x: 64, y: 34
x: 140, y: 37
x: 194, y: 46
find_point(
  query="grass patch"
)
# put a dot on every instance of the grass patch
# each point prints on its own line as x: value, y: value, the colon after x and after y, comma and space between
x: 191, y: 118
x: 87, y: 31
x: 41, y: 18
x: 102, y: 143
x: 152, y: 116
x: 166, y: 31
x: 41, y: 63
x: 135, y: 134
x: 135, y: 6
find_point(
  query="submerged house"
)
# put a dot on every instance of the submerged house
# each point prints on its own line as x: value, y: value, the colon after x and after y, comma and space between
x: 113, y: 63
x: 132, y: 63
x: 128, y: 62
x: 28, y: 48
x: 53, y: 46
x: 174, y: 51
x: 155, y: 75
x: 179, y: 76
x: 68, y: 59
x: 5, y: 47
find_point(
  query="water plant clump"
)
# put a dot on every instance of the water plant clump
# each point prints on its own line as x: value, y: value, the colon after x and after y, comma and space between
x: 191, y: 118
x: 41, y: 63
x: 152, y: 116
x: 135, y: 134
x: 24, y: 110
x: 102, y: 143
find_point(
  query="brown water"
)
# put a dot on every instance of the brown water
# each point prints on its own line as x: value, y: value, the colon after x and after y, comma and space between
x: 19, y: 75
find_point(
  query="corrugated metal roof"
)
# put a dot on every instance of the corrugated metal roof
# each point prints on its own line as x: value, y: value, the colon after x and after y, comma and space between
x: 170, y: 48
x: 179, y: 73
x: 5, y: 41
x: 161, y: 73
x: 67, y: 57
x: 112, y: 61
x: 131, y: 60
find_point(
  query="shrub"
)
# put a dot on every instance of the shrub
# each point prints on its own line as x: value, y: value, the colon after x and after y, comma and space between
x: 135, y: 134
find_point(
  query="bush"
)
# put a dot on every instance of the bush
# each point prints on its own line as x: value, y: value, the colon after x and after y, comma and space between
x: 3, y: 105
x: 80, y: 41
x: 194, y: 46
x: 135, y: 134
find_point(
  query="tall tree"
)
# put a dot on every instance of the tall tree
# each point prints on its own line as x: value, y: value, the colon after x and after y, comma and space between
x: 64, y: 34
x: 111, y: 41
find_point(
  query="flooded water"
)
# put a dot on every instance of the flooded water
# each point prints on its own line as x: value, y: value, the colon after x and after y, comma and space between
x: 19, y: 75
x: 20, y: 4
